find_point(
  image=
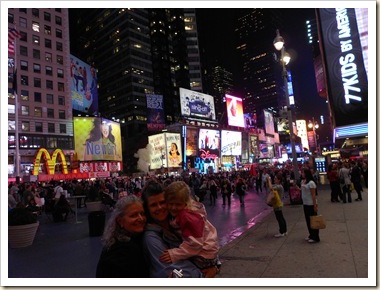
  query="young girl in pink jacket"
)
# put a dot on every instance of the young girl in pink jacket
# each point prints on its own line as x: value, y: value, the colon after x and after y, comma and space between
x: 189, y: 218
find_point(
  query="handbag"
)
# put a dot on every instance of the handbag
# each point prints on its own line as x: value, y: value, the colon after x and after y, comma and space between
x: 270, y: 198
x: 317, y: 222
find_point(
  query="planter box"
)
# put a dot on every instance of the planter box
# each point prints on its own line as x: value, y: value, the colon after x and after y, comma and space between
x: 22, y: 236
x: 95, y: 206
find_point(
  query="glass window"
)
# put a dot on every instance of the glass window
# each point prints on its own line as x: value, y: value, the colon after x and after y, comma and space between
x: 51, y: 127
x: 23, y: 10
x: 49, y: 99
x: 11, y: 109
x: 50, y: 113
x: 37, y: 112
x: 52, y: 142
x: 59, y: 46
x: 36, y: 54
x: 23, y: 36
x: 36, y: 12
x: 36, y: 26
x: 11, y: 18
x: 25, y: 126
x: 58, y: 9
x: 58, y: 20
x: 37, y: 82
x: 47, y: 16
x: 24, y: 65
x: 61, y: 100
x: 36, y: 68
x: 62, y: 114
x: 37, y: 97
x: 23, y: 50
x: 11, y: 125
x: 60, y: 59
x: 60, y: 73
x: 25, y: 110
x: 23, y: 22
x: 47, y: 43
x: 58, y: 33
x: 49, y: 84
x: 61, y: 87
x: 62, y: 128
x: 49, y: 71
x: 24, y: 80
x: 24, y: 95
x: 38, y: 126
x: 47, y: 29
x: 36, y: 39
x: 48, y: 57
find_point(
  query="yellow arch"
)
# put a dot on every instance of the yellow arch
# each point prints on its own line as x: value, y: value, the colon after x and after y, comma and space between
x: 50, y: 161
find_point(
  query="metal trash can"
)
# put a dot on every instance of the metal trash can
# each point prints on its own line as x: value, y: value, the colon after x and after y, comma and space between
x: 96, y: 222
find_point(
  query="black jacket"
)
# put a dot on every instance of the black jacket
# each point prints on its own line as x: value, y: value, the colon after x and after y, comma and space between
x: 123, y: 260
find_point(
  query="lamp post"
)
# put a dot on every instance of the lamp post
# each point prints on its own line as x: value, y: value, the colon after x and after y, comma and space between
x: 314, y: 125
x: 278, y: 43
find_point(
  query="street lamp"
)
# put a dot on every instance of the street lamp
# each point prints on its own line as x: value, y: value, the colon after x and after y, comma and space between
x: 314, y: 125
x: 279, y: 44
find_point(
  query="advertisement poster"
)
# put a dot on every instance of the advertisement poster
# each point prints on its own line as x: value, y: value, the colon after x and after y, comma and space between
x: 158, y: 158
x: 235, y: 112
x: 83, y: 86
x: 209, y: 143
x: 97, y: 139
x: 195, y: 104
x: 155, y: 112
x: 250, y: 120
x: 174, y: 149
x: 231, y: 143
x: 269, y: 123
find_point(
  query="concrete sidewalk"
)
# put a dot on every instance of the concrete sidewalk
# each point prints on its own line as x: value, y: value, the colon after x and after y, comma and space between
x: 342, y: 252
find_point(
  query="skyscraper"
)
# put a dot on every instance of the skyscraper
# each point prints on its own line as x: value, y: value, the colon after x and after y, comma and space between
x: 260, y: 72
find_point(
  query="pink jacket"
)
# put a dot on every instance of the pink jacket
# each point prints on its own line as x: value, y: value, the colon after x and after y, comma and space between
x: 200, y: 237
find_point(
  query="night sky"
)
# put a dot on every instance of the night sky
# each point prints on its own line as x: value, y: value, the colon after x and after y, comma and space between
x: 216, y: 27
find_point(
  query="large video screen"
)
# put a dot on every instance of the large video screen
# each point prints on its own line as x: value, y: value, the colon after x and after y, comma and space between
x: 209, y: 143
x: 198, y: 105
x: 174, y: 149
x: 83, y: 86
x: 235, y: 112
x: 231, y: 143
x: 97, y: 139
x: 345, y: 68
x: 167, y: 150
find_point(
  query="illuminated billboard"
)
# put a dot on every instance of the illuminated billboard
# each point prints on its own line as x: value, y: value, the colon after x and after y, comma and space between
x: 269, y: 122
x: 191, y: 144
x: 97, y: 139
x: 231, y: 143
x: 235, y: 112
x: 198, y: 105
x: 250, y: 120
x: 345, y: 69
x: 209, y: 143
x: 155, y: 112
x: 83, y: 86
x: 167, y: 150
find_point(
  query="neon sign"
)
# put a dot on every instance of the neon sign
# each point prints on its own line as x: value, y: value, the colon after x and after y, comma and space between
x: 50, y: 161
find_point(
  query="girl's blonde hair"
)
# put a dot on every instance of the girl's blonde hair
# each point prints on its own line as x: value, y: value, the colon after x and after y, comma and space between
x: 178, y: 191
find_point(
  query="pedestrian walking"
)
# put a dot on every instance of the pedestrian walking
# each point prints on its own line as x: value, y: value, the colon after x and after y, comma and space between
x: 241, y: 190
x: 226, y: 191
x: 344, y: 176
x: 356, y: 176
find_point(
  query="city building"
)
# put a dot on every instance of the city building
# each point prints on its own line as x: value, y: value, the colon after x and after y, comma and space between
x: 39, y: 103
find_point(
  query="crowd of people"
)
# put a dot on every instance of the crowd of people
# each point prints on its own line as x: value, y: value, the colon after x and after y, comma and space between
x: 159, y: 226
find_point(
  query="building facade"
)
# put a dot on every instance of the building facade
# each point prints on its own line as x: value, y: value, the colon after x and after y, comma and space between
x: 39, y: 103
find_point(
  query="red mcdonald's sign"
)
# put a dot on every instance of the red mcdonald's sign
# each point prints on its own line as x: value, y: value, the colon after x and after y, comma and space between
x: 50, y: 161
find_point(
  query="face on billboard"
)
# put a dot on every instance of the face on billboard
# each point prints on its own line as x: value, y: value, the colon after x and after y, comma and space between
x: 231, y: 143
x: 97, y: 139
x: 194, y: 104
x: 269, y: 122
x: 83, y: 86
x: 235, y: 111
x: 209, y: 143
x: 174, y: 149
